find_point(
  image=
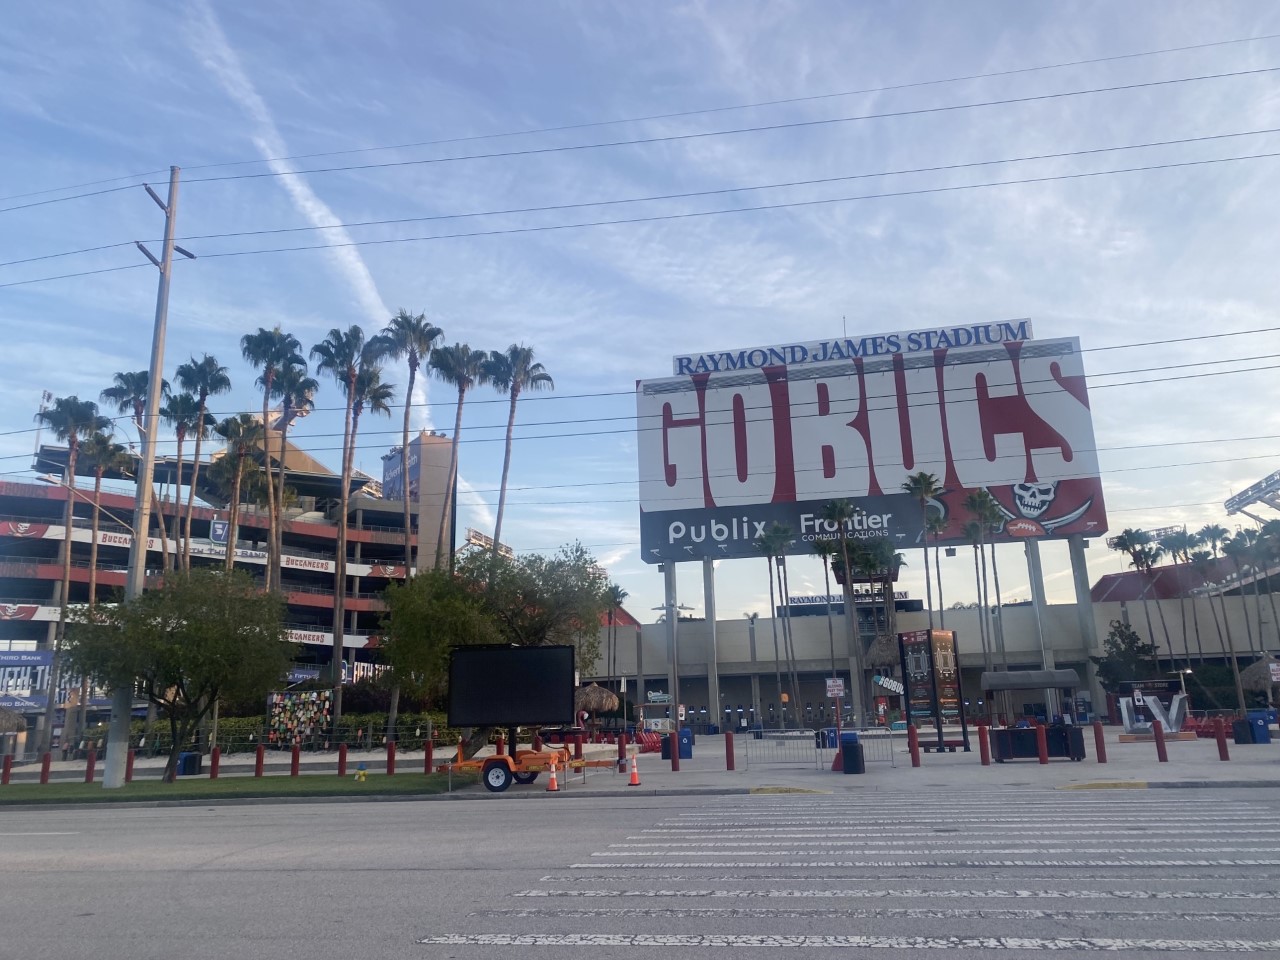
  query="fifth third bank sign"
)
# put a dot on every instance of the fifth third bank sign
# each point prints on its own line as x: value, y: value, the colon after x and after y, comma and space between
x: 742, y: 439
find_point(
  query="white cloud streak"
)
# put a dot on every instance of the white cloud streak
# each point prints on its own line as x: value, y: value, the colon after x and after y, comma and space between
x: 210, y: 45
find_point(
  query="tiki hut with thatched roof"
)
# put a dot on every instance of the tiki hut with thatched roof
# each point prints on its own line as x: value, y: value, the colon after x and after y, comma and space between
x: 11, y: 722
x: 1258, y: 677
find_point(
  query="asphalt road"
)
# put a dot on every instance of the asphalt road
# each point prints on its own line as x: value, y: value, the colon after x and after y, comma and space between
x: 1005, y: 874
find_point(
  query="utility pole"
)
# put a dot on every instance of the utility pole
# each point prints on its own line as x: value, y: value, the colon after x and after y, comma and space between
x: 136, y: 578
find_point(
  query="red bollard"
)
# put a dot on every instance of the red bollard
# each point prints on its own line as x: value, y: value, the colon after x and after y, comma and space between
x: 1161, y: 753
x: 428, y: 756
x: 295, y: 760
x: 44, y: 767
x: 215, y: 760
x: 1220, y: 733
x: 500, y: 746
x: 391, y: 758
x: 128, y: 766
x: 90, y: 765
x: 673, y: 744
x: 913, y: 744
x: 6, y: 768
x: 984, y: 744
x: 728, y: 749
x: 342, y: 760
x: 1042, y: 742
x: 577, y: 747
x: 1099, y: 741
x: 259, y: 760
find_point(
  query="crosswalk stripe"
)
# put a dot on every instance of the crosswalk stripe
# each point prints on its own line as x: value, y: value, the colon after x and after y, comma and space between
x: 833, y: 864
x: 846, y: 913
x: 1145, y: 876
x: 940, y: 849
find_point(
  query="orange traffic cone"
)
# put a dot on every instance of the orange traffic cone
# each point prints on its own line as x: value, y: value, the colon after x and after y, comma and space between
x: 553, y: 785
x: 635, y: 772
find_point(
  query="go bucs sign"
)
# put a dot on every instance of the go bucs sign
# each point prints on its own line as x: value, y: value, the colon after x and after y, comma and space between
x: 724, y: 453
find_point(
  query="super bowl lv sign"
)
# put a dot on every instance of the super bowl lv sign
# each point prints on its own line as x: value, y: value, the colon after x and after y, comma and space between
x: 722, y: 455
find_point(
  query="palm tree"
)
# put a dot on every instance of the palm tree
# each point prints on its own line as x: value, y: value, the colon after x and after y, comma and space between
x: 973, y: 532
x: 924, y: 487
x: 340, y: 355
x: 1269, y: 543
x: 934, y: 526
x: 1134, y: 542
x: 1214, y: 535
x: 128, y: 394
x: 840, y: 513
x: 784, y: 594
x: 204, y: 378
x: 1239, y: 550
x: 243, y: 434
x: 825, y: 551
x: 979, y: 505
x: 105, y: 456
x: 769, y: 545
x: 296, y: 392
x: 410, y: 337
x: 71, y: 420
x: 1179, y: 545
x: 271, y: 351
x: 1199, y: 561
x: 463, y: 368
x: 511, y: 372
x: 182, y: 412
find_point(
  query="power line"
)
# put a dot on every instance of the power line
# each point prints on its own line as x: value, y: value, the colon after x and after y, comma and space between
x: 758, y: 128
x: 673, y: 138
x: 547, y: 208
x: 526, y: 398
x: 669, y: 116
x: 79, y: 273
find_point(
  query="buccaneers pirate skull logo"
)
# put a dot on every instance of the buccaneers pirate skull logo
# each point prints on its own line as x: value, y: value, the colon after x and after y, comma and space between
x: 1033, y: 499
x: 1033, y: 502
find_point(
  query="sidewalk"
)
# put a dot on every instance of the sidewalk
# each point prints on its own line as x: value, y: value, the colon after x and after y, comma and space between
x: 1191, y: 764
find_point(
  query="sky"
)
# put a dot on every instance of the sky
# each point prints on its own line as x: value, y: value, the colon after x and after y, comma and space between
x: 98, y: 99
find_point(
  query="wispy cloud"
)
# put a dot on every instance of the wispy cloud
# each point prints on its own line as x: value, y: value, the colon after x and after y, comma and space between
x: 470, y: 499
x: 211, y: 47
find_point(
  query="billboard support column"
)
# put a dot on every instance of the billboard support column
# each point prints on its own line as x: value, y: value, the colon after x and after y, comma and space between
x: 673, y: 649
x: 1084, y: 602
x: 1035, y: 574
x: 713, y: 663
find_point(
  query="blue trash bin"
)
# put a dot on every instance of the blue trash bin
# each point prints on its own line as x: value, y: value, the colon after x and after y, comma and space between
x: 1258, y: 724
x: 827, y: 738
x: 189, y: 764
x: 684, y: 742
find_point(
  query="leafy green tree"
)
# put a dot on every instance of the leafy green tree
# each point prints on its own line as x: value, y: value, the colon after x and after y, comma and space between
x: 199, y: 636
x: 427, y: 616
x: 203, y: 379
x: 512, y: 372
x: 1125, y: 656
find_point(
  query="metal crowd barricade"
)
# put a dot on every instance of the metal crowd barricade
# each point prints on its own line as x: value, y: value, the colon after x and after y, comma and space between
x: 784, y: 748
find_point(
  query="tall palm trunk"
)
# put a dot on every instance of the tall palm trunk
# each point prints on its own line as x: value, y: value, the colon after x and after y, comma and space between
x: 982, y: 621
x: 831, y: 630
x: 233, y: 517
x: 999, y: 616
x: 928, y: 579
x: 1195, y: 620
x: 937, y: 567
x: 986, y: 599
x: 55, y: 662
x: 285, y: 422
x: 506, y: 468
x: 449, y: 486
x: 1244, y: 603
x: 273, y: 522
x: 404, y: 476
x: 195, y: 479
x: 340, y: 560
x: 784, y: 587
x: 179, y: 560
x: 82, y: 719
x: 777, y: 657
x: 1230, y: 650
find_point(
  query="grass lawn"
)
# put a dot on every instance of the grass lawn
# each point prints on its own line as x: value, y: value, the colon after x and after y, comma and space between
x: 202, y: 788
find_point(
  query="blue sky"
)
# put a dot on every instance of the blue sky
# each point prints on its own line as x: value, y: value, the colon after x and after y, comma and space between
x: 89, y: 92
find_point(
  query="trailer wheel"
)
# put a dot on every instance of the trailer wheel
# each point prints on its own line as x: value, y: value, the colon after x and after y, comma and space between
x: 526, y: 777
x: 497, y: 777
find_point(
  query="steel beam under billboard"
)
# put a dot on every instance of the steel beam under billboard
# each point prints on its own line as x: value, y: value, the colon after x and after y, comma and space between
x: 722, y: 455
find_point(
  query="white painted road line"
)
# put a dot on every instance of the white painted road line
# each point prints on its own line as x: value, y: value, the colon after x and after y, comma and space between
x: 890, y: 864
x: 845, y: 913
x: 1110, y: 945
x: 941, y: 849
x: 858, y: 893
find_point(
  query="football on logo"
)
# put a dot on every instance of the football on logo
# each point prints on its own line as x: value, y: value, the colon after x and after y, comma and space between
x: 1024, y: 528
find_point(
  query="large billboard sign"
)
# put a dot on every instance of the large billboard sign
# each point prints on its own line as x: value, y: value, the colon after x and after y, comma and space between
x: 724, y: 453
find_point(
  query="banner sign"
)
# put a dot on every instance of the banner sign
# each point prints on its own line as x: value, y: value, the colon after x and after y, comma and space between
x: 931, y: 677
x: 725, y: 453
x: 24, y: 672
